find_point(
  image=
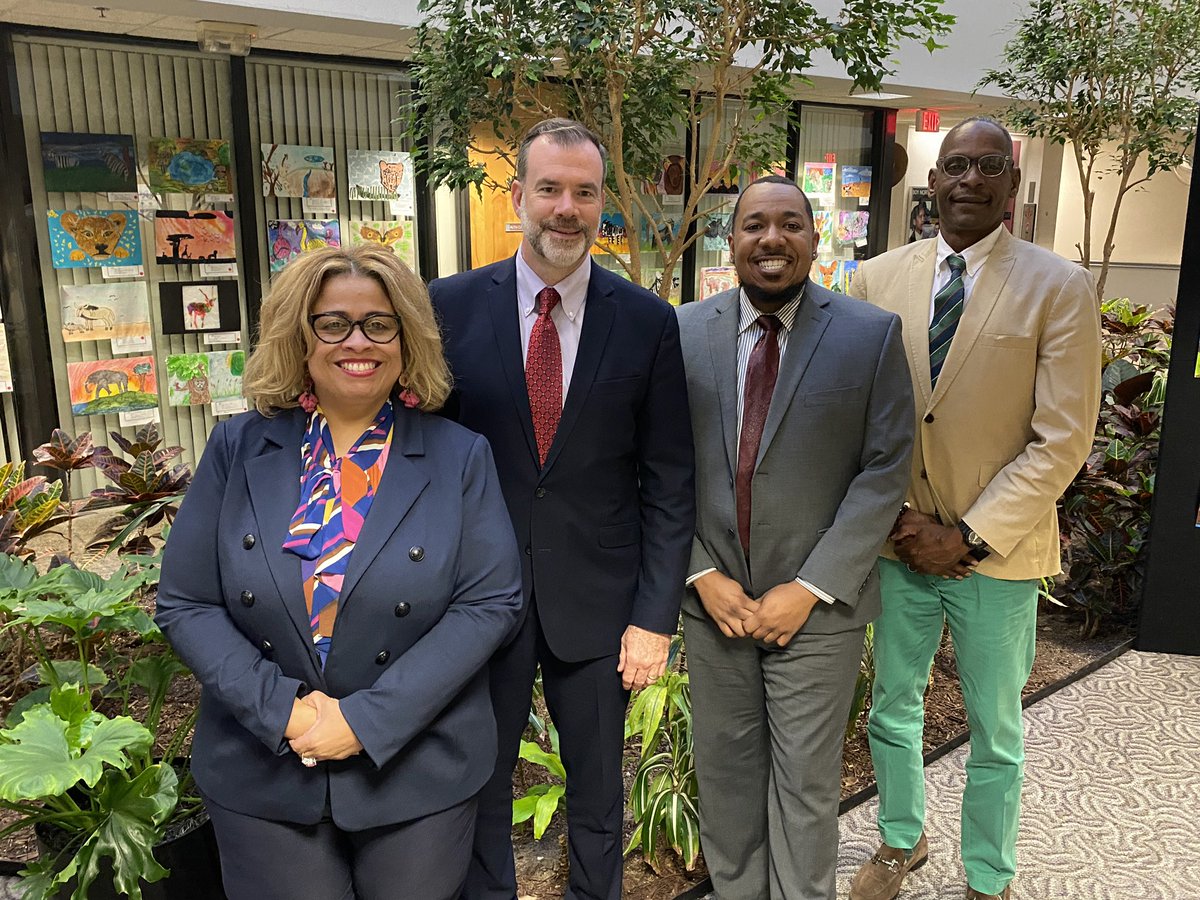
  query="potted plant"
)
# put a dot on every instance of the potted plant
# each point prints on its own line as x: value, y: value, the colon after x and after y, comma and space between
x: 87, y: 757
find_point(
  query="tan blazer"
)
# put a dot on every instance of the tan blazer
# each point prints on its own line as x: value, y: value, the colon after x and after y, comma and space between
x: 1013, y: 416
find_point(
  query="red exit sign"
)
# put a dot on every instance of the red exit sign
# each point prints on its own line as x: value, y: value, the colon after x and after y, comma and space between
x: 929, y: 120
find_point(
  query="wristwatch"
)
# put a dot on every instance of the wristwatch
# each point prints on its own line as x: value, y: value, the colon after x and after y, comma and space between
x: 977, y: 547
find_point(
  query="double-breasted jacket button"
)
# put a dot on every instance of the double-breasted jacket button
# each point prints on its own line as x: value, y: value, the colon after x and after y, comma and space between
x: 928, y: 418
x: 247, y: 541
x: 381, y: 657
x: 247, y: 598
x: 540, y: 493
x: 267, y: 647
x: 416, y: 554
x: 528, y: 550
x: 402, y: 609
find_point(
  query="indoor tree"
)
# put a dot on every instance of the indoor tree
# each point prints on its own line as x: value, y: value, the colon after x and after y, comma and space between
x: 1114, y: 80
x: 646, y: 75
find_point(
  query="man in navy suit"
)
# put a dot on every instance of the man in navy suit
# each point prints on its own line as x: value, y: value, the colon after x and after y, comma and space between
x: 575, y: 377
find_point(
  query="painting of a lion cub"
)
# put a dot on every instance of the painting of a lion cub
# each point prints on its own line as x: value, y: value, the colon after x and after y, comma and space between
x: 96, y: 236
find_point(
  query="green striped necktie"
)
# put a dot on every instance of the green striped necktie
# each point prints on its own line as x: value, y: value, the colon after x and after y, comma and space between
x: 947, y: 310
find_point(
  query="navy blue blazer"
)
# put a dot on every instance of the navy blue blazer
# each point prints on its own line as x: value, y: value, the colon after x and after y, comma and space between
x: 606, y: 526
x: 432, y: 588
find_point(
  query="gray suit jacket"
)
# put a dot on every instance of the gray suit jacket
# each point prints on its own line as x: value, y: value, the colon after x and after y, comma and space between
x: 833, y: 465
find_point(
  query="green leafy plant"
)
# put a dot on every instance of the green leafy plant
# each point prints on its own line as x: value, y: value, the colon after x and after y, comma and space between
x: 150, y: 487
x: 664, y: 797
x: 66, y: 454
x: 862, y: 684
x: 73, y: 756
x: 542, y: 801
x: 1105, y: 513
x: 28, y: 507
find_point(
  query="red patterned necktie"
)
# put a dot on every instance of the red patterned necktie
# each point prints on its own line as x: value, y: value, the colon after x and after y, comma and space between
x: 761, y: 372
x: 543, y: 374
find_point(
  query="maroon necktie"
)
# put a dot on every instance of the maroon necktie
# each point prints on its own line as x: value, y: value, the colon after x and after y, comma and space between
x: 543, y: 374
x: 761, y: 372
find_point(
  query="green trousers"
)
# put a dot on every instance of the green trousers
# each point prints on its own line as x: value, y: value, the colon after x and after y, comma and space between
x: 993, y: 624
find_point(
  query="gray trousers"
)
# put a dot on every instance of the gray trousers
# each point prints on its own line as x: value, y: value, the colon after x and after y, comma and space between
x: 425, y: 859
x: 768, y: 729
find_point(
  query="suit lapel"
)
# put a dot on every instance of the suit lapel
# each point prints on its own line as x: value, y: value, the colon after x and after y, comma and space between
x: 273, y: 480
x: 916, y: 318
x: 811, y: 321
x: 399, y: 488
x: 599, y: 312
x: 985, y: 293
x: 722, y: 344
x: 503, y: 306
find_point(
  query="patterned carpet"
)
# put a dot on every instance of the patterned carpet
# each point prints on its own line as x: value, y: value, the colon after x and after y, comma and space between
x: 1112, y: 794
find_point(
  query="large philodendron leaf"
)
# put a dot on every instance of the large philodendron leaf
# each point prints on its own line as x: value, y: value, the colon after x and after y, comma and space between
x: 134, y: 811
x: 38, y: 759
x: 15, y: 576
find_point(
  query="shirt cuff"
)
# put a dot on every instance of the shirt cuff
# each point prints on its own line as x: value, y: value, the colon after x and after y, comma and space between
x: 691, y: 578
x: 821, y: 595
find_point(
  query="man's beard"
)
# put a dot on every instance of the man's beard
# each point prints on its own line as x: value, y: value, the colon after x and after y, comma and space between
x: 560, y: 254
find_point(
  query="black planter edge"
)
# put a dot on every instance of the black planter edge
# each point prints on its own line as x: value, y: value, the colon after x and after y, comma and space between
x: 860, y: 797
x: 10, y: 867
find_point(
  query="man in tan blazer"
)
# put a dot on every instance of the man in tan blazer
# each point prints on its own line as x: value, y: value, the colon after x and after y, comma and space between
x: 1003, y: 344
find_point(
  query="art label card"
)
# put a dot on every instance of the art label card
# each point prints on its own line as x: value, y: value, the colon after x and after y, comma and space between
x: 222, y: 337
x: 90, y: 238
x: 188, y: 166
x: 183, y: 237
x: 218, y: 270
x: 139, y: 343
x: 230, y: 407
x: 189, y: 307
x: 288, y: 238
x: 6, y: 382
x: 856, y: 183
x: 396, y: 234
x: 294, y: 170
x: 818, y: 182
x: 96, y: 312
x: 852, y: 226
x: 717, y: 228
x: 715, y: 279
x: 140, y: 417
x: 106, y: 386
x: 100, y: 163
x: 381, y: 175
x: 109, y: 272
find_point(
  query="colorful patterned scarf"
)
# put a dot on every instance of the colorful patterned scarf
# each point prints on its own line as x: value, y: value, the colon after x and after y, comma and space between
x: 335, y: 497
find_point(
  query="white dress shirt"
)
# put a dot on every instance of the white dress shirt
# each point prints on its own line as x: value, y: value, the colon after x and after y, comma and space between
x: 567, y: 316
x: 974, y: 256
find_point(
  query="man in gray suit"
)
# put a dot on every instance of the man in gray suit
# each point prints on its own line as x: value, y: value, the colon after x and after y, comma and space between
x: 802, y: 413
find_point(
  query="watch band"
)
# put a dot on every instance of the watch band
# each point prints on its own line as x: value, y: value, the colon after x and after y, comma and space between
x: 977, y: 547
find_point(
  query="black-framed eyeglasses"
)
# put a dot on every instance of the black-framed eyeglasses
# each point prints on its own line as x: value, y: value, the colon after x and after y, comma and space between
x: 992, y: 165
x: 335, y: 327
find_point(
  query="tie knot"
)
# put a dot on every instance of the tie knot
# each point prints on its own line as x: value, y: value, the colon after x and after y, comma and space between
x: 547, y: 299
x: 957, y: 264
x: 770, y: 324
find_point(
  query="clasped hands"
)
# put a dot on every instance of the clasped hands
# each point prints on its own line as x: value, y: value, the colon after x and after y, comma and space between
x: 929, y: 548
x: 774, y: 618
x: 317, y: 730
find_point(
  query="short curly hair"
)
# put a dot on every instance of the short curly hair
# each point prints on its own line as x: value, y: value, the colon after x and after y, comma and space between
x: 276, y: 371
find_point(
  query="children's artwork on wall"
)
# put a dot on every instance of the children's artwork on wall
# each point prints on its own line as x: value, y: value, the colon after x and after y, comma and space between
x: 99, y: 312
x: 293, y: 170
x: 856, y: 182
x: 288, y: 238
x: 823, y: 225
x: 189, y: 307
x: 715, y: 279
x: 825, y: 273
x: 612, y: 236
x: 106, y: 386
x: 667, y: 227
x: 187, y: 380
x: 846, y: 272
x: 852, y: 226
x: 225, y: 369
x: 184, y: 237
x: 75, y: 162
x: 717, y: 228
x: 671, y: 180
x: 380, y: 175
x: 90, y: 238
x: 396, y: 234
x: 818, y: 182
x: 188, y: 166
x: 724, y: 181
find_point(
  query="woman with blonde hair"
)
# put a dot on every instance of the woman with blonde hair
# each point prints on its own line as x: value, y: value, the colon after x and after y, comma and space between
x: 340, y: 572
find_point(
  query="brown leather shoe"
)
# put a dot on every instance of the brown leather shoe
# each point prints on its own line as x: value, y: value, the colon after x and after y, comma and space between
x: 880, y: 876
x: 973, y: 894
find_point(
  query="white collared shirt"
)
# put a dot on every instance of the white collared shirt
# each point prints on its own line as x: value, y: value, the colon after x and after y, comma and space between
x: 974, y: 256
x: 567, y: 316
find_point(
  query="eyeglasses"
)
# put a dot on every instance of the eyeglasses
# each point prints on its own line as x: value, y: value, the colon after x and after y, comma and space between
x: 991, y: 165
x: 335, y: 327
